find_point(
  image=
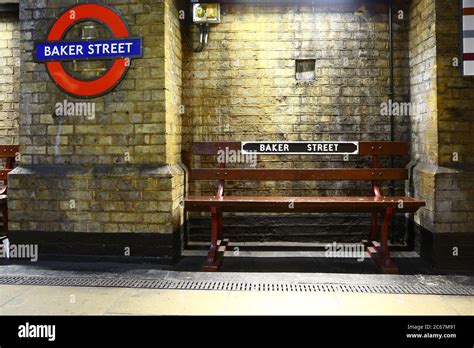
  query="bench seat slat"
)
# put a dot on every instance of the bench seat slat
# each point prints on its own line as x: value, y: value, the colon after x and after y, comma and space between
x: 9, y: 150
x: 4, y: 173
x: 300, y: 174
x: 301, y: 204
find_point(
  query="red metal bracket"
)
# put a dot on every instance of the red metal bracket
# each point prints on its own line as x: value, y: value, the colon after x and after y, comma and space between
x: 379, y: 251
x: 218, y: 247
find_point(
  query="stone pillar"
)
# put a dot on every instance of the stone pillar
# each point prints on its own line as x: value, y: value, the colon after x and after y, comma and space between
x: 109, y: 184
x: 443, y: 135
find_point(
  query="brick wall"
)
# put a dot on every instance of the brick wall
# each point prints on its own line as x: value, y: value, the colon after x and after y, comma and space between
x: 454, y: 92
x: 423, y: 91
x: 423, y: 86
x: 9, y: 78
x: 119, y: 169
x: 173, y: 104
x: 173, y: 81
x: 126, y: 119
x: 243, y: 86
x: 444, y: 129
x: 455, y: 183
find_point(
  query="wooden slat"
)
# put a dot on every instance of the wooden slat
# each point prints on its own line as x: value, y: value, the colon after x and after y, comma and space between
x: 211, y: 148
x: 9, y: 150
x: 300, y: 174
x: 468, y: 11
x: 4, y: 173
x: 383, y: 148
x: 301, y: 204
x: 366, y: 148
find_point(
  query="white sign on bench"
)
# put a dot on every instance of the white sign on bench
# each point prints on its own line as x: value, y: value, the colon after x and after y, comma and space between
x: 301, y: 148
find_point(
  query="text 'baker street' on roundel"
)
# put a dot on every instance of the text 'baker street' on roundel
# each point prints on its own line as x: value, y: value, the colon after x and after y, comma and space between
x: 120, y: 49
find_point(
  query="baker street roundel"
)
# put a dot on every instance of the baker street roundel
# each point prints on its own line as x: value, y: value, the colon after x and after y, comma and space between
x: 121, y: 48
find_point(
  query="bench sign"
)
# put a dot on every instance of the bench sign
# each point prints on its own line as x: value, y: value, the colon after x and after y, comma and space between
x: 301, y: 148
x: 119, y: 49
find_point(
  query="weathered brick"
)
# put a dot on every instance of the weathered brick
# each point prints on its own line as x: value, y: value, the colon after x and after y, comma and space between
x: 9, y: 79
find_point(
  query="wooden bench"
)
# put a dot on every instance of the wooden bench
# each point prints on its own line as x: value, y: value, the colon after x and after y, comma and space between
x: 8, y: 153
x: 379, y: 205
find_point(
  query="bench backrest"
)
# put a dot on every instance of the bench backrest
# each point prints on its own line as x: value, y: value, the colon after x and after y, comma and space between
x: 9, y: 153
x: 375, y: 149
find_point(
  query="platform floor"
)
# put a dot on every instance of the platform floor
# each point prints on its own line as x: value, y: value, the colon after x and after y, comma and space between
x: 39, y: 300
x: 74, y: 300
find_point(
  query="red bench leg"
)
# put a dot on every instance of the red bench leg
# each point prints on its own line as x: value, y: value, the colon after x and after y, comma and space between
x: 5, y: 219
x: 218, y: 245
x: 220, y: 225
x: 374, y: 227
x: 379, y: 252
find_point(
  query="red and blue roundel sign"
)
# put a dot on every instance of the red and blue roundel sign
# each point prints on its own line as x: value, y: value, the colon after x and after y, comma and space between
x: 120, y: 49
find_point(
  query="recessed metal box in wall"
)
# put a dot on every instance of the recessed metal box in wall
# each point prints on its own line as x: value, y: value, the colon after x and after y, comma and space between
x: 206, y: 13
